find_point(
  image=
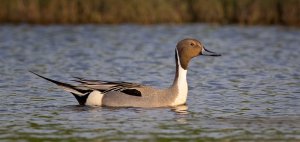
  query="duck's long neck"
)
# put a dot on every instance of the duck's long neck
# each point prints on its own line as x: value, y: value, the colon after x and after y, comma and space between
x: 179, y: 85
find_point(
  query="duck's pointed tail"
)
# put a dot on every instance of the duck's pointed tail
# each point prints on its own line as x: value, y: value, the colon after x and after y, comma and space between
x: 80, y: 94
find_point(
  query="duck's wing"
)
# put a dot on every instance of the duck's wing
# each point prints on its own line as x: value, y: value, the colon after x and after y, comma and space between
x: 82, y: 91
x: 86, y: 86
x: 105, y: 86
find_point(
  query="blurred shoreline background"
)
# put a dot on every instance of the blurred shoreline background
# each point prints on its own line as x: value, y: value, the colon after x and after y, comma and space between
x: 243, y: 12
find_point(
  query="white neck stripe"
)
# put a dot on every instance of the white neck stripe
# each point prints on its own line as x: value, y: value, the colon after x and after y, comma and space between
x: 181, y: 84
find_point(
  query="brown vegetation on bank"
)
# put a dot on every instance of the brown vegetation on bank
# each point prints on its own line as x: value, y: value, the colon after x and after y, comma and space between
x: 247, y: 12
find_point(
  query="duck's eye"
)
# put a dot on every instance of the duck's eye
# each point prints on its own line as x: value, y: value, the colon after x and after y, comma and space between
x: 192, y: 44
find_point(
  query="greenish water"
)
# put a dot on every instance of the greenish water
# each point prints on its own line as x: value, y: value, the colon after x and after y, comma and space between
x: 251, y: 93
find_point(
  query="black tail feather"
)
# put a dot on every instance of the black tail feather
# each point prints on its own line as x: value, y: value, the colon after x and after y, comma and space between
x: 54, y: 81
x: 79, y: 94
x: 65, y: 86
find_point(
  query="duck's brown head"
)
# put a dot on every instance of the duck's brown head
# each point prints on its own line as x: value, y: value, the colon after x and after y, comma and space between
x: 190, y: 48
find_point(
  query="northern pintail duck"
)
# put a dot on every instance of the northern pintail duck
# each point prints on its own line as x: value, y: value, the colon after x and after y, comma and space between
x: 125, y: 94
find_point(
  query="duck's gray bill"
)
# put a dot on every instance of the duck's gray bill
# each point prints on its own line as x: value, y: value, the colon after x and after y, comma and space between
x: 206, y: 52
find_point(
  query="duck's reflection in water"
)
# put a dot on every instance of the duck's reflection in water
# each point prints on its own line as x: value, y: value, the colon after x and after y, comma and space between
x: 182, y: 111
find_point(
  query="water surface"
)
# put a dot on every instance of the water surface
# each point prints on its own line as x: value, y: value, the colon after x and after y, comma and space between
x: 250, y: 93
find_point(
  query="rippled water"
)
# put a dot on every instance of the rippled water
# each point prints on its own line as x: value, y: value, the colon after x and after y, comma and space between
x: 250, y: 93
